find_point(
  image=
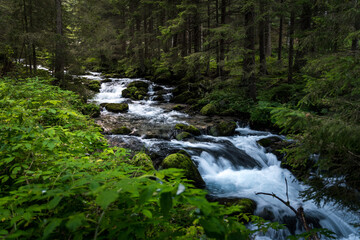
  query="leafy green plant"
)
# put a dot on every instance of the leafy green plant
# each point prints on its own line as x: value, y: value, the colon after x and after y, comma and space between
x: 59, y: 179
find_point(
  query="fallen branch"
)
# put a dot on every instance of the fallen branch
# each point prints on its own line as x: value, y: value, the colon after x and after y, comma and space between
x: 299, y: 212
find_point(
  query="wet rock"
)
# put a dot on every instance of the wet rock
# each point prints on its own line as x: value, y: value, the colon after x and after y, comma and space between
x: 274, y: 145
x: 183, y: 136
x: 159, y: 98
x: 144, y: 161
x: 94, y: 86
x: 158, y: 88
x: 183, y: 98
x: 139, y: 84
x: 134, y: 93
x: 106, y: 81
x: 209, y: 110
x: 181, y: 161
x: 223, y: 128
x: 122, y: 131
x: 178, y: 107
x: 117, y: 107
x: 188, y: 128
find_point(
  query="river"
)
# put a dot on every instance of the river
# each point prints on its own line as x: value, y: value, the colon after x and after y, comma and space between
x: 232, y: 167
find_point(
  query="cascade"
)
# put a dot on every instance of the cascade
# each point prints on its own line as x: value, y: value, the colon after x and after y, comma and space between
x: 232, y: 167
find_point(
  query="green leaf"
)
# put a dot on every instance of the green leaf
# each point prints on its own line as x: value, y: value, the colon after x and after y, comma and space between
x: 75, y: 221
x: 147, y: 213
x: 165, y: 203
x: 147, y: 194
x: 54, y: 202
x: 105, y: 198
x: 51, y: 226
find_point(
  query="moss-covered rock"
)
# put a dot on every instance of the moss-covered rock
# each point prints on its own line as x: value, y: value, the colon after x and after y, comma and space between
x: 188, y: 128
x: 144, y: 161
x: 94, y: 86
x: 106, y: 80
x: 117, y: 107
x: 134, y: 93
x: 181, y: 161
x: 139, y: 84
x: 209, y: 110
x: 91, y: 109
x: 178, y: 107
x: 183, y: 136
x: 183, y: 98
x: 223, y: 129
x: 122, y: 131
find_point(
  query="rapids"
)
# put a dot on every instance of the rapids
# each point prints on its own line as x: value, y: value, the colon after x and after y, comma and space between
x: 234, y: 166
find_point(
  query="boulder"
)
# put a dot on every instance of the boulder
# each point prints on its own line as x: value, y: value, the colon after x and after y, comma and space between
x: 183, y: 136
x: 122, y: 131
x: 134, y: 93
x: 181, y: 161
x: 117, y: 107
x: 94, y: 86
x: 274, y: 145
x: 178, y: 107
x: 209, y: 110
x: 223, y: 129
x: 144, y: 161
x: 139, y: 84
x: 188, y: 128
x: 91, y: 109
x: 183, y: 98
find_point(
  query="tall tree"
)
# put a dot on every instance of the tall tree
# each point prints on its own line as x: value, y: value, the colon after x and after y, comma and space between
x: 249, y: 77
x: 59, y: 48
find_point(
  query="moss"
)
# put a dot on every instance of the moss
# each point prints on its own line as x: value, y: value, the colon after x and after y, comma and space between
x: 91, y: 109
x: 209, y: 110
x: 183, y: 98
x: 223, y: 129
x: 139, y: 84
x: 144, y: 161
x: 94, y: 86
x: 134, y: 93
x: 117, y: 107
x: 183, y: 135
x: 188, y: 128
x: 122, y: 131
x: 180, y: 161
x: 178, y: 107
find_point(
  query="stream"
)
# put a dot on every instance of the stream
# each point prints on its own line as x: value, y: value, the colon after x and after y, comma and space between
x: 232, y: 167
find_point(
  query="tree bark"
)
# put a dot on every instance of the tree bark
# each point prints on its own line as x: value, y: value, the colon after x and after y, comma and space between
x: 291, y: 46
x: 222, y: 39
x: 59, y: 48
x: 34, y: 60
x: 280, y: 34
x: 249, y: 58
x: 262, y: 48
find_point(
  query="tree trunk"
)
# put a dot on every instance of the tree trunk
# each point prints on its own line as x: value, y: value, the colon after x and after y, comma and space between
x: 262, y: 54
x: 268, y: 42
x: 249, y: 58
x: 280, y: 34
x: 222, y: 39
x: 291, y: 46
x: 59, y: 48
x: 34, y: 60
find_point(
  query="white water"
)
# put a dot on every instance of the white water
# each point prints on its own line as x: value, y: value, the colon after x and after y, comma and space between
x: 215, y: 156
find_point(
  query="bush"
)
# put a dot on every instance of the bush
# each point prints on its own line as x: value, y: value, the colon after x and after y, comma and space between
x: 60, y: 179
